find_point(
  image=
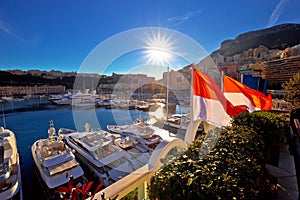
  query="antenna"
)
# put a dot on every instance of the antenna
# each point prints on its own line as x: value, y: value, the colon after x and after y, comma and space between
x: 4, y: 123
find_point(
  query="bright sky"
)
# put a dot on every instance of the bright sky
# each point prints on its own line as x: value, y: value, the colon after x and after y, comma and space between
x: 60, y: 34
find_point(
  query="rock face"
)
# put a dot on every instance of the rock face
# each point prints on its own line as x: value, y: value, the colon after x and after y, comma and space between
x: 276, y: 37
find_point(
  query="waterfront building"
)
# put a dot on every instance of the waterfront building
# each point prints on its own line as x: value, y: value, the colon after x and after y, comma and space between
x: 27, y: 90
x: 281, y: 70
x: 175, y: 80
x: 125, y: 84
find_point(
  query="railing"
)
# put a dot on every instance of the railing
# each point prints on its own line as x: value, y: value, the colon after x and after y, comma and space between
x: 297, y: 125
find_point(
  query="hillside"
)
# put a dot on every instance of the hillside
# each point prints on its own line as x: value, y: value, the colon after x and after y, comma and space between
x: 276, y: 37
x: 8, y: 79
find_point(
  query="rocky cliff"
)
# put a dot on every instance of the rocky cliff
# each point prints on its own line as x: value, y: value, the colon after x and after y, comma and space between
x: 276, y: 37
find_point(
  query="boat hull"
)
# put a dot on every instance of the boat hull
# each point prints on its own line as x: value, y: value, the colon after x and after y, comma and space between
x: 15, y: 189
x: 10, y: 185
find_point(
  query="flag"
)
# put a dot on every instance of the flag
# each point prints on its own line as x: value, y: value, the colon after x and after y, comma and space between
x: 209, y: 103
x: 239, y: 94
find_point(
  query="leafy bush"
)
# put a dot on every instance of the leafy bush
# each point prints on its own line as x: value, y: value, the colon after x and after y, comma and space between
x: 269, y: 125
x: 233, y: 169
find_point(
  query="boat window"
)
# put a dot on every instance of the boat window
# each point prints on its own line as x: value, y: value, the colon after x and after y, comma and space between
x: 116, y: 163
x: 1, y: 155
x: 102, y: 152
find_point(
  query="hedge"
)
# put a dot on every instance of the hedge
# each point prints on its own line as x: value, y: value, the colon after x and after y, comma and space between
x: 232, y: 169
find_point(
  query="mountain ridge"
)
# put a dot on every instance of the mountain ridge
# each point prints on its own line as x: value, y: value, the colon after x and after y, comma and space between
x: 275, y: 37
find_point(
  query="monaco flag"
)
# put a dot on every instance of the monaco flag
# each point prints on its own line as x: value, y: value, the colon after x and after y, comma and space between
x: 209, y: 103
x: 239, y: 94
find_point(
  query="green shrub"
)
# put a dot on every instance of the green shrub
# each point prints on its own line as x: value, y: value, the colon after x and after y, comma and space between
x: 269, y: 125
x: 233, y: 169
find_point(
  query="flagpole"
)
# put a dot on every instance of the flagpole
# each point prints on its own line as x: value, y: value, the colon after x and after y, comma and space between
x: 191, y: 95
x: 190, y: 132
x: 167, y: 102
x: 222, y: 81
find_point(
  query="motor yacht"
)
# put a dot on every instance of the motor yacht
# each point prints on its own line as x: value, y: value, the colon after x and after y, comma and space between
x: 180, y: 121
x: 10, y: 171
x: 138, y: 128
x: 54, y: 160
x: 106, y: 161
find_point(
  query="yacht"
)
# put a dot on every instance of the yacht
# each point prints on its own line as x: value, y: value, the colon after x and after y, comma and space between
x: 85, y: 99
x: 63, y: 101
x: 106, y: 161
x: 10, y: 172
x: 54, y: 160
x: 144, y: 106
x: 180, y: 121
x: 138, y: 128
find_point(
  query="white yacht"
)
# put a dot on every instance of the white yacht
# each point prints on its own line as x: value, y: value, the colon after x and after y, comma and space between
x: 138, y: 128
x: 10, y: 171
x: 106, y: 161
x: 180, y: 121
x: 85, y: 99
x: 54, y: 160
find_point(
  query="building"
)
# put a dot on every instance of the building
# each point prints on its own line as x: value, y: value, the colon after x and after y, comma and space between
x: 175, y: 80
x: 36, y: 72
x: 248, y: 54
x: 125, y: 84
x: 218, y: 58
x: 17, y: 72
x: 281, y: 70
x: 260, y: 52
x: 33, y: 90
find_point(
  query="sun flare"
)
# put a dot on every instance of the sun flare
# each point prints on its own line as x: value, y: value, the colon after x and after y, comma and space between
x: 158, y: 49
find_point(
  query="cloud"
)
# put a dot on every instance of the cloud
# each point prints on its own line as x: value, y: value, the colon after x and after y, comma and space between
x: 276, y: 13
x: 4, y: 28
x: 180, y: 19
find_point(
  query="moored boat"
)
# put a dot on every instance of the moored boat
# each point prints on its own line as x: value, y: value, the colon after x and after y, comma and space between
x: 138, y: 128
x: 55, y: 161
x: 10, y: 171
x: 180, y: 121
x: 106, y: 161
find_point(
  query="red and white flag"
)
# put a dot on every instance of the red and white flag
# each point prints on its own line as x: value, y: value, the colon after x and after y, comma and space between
x: 209, y: 103
x: 239, y: 94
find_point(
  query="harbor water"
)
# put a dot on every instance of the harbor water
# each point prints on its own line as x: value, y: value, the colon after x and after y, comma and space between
x: 29, y: 120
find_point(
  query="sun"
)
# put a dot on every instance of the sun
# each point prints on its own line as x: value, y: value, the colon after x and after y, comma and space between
x: 158, y: 49
x: 157, y: 56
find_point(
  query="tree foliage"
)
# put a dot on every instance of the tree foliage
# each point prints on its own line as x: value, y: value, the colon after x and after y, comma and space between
x: 292, y: 88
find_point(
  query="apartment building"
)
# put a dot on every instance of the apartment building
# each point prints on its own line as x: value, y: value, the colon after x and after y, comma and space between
x: 281, y: 70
